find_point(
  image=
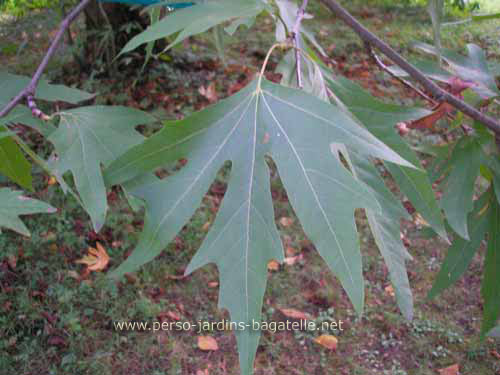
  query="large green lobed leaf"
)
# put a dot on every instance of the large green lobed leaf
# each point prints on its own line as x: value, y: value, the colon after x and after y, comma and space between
x: 296, y: 130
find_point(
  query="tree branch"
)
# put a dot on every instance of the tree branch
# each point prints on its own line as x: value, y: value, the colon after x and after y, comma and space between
x: 295, y: 35
x: 376, y: 58
x: 437, y: 92
x: 28, y: 92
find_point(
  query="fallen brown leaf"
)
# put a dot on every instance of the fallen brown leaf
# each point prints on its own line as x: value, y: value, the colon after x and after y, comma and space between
x: 213, y: 284
x: 96, y: 260
x: 389, y: 290
x: 207, y: 343
x: 327, y: 341
x: 273, y: 265
x: 52, y: 181
x: 295, y: 314
x: 450, y: 370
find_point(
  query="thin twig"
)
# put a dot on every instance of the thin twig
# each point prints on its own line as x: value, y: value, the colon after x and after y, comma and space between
x: 29, y: 91
x: 296, y: 35
x: 376, y: 58
x: 437, y: 92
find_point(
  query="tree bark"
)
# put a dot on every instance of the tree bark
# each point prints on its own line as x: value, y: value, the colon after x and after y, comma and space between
x: 100, y: 17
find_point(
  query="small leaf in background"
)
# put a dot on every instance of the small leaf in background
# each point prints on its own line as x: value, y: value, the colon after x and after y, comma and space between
x: 96, y: 260
x: 327, y: 341
x: 207, y: 343
x: 450, y: 370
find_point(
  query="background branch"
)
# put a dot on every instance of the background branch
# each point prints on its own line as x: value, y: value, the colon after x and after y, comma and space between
x: 29, y: 92
x: 437, y: 92
x: 295, y: 35
x: 386, y: 69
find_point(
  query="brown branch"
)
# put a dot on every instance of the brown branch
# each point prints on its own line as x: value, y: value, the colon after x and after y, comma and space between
x: 295, y: 35
x: 28, y: 92
x: 437, y: 92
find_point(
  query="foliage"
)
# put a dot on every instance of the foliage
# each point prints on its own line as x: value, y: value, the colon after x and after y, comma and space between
x: 21, y: 7
x: 326, y: 137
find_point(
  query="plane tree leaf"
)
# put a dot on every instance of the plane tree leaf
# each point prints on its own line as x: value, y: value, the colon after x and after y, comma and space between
x: 430, y: 68
x: 461, y: 252
x: 88, y: 137
x: 458, y: 185
x: 13, y: 204
x: 385, y: 227
x: 196, y: 19
x: 380, y: 119
x: 296, y: 130
x: 472, y: 67
x: 490, y: 288
x: 12, y: 84
x: 13, y: 164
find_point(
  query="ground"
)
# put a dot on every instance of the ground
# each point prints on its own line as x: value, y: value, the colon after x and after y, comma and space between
x: 53, y: 322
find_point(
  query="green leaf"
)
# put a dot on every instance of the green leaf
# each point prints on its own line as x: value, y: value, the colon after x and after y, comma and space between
x: 461, y: 252
x: 473, y: 67
x: 196, y: 19
x: 13, y: 164
x: 296, y: 130
x: 88, y: 137
x: 490, y: 288
x: 13, y: 204
x: 380, y: 119
x: 12, y: 84
x: 242, y: 21
x: 430, y: 68
x: 458, y: 187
